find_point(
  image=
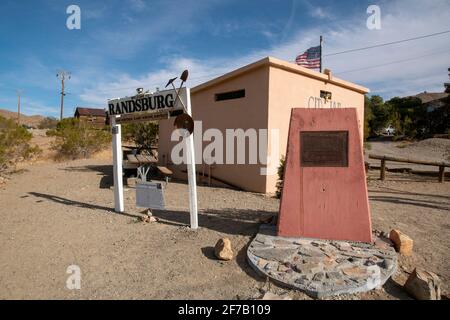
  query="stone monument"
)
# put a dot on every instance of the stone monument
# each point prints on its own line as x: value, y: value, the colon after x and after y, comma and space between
x: 325, y: 193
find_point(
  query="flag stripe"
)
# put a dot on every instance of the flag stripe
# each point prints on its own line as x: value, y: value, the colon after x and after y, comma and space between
x: 310, y: 58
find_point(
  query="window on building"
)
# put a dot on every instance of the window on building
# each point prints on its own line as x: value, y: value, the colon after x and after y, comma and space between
x: 230, y: 95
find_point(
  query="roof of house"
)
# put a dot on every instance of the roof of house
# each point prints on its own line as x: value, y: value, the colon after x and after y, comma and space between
x: 284, y: 65
x: 426, y: 97
x: 90, y: 112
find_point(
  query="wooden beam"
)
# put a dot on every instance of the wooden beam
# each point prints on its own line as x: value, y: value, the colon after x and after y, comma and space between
x: 407, y: 160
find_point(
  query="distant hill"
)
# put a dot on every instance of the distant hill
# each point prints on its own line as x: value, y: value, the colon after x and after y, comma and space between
x: 31, y: 121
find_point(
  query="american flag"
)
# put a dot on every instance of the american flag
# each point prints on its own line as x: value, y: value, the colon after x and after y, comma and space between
x: 310, y: 58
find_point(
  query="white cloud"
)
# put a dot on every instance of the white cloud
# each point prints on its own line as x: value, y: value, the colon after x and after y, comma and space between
x: 400, y: 20
x: 319, y: 12
x: 137, y: 5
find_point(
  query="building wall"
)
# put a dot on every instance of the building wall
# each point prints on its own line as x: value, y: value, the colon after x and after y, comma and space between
x: 272, y: 89
x: 244, y: 113
x: 95, y: 121
x: 292, y: 90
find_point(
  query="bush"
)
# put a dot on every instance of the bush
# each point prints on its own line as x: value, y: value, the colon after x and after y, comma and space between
x: 48, y: 123
x: 14, y: 143
x: 144, y: 135
x: 75, y: 139
x: 280, y: 181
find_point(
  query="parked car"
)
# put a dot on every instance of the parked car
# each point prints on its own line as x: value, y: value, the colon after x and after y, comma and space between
x: 389, y: 130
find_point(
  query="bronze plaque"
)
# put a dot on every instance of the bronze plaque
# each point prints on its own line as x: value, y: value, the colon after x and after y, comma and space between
x: 324, y: 148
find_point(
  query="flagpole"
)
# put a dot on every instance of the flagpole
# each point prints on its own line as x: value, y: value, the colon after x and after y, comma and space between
x: 321, y: 40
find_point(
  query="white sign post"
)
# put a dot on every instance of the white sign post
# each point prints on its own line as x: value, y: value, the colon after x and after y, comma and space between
x: 151, y: 106
x: 191, y: 169
x: 117, y: 158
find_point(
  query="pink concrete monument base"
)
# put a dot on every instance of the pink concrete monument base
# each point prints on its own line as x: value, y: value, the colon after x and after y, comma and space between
x: 325, y: 194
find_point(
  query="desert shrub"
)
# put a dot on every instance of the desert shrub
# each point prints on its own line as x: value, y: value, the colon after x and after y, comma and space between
x: 144, y: 135
x: 14, y: 143
x: 75, y: 139
x: 48, y: 123
x: 280, y: 180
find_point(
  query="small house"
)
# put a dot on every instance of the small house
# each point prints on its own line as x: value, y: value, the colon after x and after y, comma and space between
x: 95, y: 117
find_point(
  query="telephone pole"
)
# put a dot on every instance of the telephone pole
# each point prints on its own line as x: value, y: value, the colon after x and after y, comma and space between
x: 18, y: 106
x: 63, y: 76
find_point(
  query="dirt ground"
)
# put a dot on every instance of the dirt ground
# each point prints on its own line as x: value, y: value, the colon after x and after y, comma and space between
x: 426, y: 150
x: 58, y: 214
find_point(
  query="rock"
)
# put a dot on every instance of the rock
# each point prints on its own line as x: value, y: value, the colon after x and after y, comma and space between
x: 403, y: 244
x: 280, y: 254
x: 445, y: 296
x: 262, y: 262
x: 223, y: 250
x: 354, y: 271
x: 423, y: 285
x: 387, y: 264
x: 283, y: 268
x: 334, y: 275
x: 131, y: 182
x: 319, y: 276
x: 149, y: 219
x: 307, y: 268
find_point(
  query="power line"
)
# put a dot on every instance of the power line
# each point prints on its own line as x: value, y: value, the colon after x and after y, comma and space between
x: 393, y: 62
x: 387, y: 43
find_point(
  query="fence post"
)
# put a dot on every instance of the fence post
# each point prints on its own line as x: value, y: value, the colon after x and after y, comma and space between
x: 383, y: 170
x: 441, y: 173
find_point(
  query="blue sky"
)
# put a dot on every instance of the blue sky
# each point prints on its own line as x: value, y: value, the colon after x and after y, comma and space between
x: 125, y: 44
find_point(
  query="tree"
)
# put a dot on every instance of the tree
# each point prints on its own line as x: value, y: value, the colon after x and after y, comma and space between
x: 368, y: 116
x: 144, y: 135
x: 379, y: 114
x: 408, y: 116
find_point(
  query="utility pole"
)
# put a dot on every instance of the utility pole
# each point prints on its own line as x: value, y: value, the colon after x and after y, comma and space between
x: 18, y: 106
x: 63, y: 75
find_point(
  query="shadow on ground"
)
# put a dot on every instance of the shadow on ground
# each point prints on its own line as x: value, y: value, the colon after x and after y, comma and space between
x: 78, y: 204
x: 393, y: 288
x: 227, y: 221
x: 409, y: 198
x: 105, y: 171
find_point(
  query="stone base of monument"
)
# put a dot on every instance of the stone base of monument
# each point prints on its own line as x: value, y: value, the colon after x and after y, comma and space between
x: 322, y: 268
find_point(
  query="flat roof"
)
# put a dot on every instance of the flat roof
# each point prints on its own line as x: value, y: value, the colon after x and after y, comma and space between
x: 283, y: 65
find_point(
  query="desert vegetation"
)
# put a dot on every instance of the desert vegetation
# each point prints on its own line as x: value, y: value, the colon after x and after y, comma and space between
x: 144, y: 135
x: 48, y: 123
x: 75, y: 139
x: 14, y: 143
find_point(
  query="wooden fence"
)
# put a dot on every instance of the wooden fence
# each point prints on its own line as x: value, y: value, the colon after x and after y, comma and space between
x: 383, y: 159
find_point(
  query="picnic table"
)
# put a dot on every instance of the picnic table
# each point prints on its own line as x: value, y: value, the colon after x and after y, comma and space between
x: 141, y: 159
x: 135, y: 161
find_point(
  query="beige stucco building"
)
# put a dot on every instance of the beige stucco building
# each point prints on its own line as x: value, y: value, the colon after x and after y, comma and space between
x: 259, y: 96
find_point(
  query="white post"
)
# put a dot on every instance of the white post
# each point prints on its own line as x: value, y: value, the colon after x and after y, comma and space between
x: 191, y: 169
x: 117, y: 158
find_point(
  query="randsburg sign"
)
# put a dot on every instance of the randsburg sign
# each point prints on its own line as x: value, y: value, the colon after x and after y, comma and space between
x: 147, y: 106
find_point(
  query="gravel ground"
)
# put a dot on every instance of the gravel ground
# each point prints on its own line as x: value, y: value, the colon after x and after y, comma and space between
x: 428, y: 150
x: 57, y: 214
